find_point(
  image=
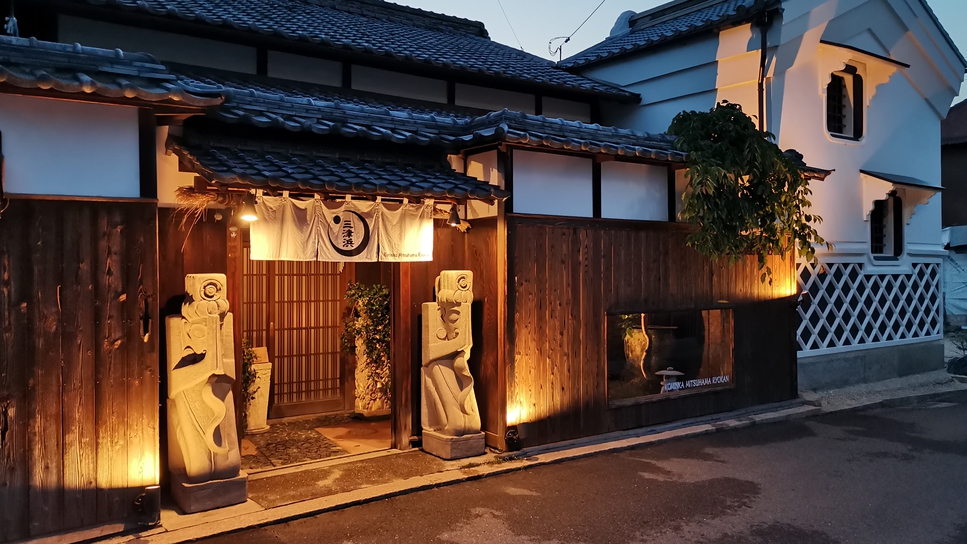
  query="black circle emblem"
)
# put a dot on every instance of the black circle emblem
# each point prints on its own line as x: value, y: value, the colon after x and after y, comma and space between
x: 350, y: 249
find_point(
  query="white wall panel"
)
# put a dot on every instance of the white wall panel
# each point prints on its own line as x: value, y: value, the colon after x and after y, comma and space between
x: 634, y: 191
x: 483, y: 166
x: 169, y: 177
x: 163, y: 45
x: 552, y: 184
x: 302, y: 68
x: 56, y: 147
x: 484, y: 98
x: 399, y: 84
x: 566, y: 109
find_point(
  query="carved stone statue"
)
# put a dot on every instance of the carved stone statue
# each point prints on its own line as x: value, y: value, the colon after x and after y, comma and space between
x: 203, y: 452
x: 451, y: 421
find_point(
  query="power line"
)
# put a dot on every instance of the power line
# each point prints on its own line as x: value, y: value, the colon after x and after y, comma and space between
x: 510, y: 25
x: 567, y: 39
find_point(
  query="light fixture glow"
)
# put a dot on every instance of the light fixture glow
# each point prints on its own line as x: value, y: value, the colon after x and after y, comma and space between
x: 454, y: 219
x: 247, y: 211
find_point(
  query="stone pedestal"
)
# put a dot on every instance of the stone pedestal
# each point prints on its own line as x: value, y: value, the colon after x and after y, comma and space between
x: 209, y: 495
x: 454, y: 447
x: 258, y: 408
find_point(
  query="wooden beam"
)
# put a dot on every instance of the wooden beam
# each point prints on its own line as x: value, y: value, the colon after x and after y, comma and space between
x: 148, y: 153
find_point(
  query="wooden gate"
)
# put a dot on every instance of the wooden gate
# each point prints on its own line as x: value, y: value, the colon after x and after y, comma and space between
x: 295, y: 310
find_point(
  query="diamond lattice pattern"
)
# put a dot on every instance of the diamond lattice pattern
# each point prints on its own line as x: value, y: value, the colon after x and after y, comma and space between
x: 850, y: 308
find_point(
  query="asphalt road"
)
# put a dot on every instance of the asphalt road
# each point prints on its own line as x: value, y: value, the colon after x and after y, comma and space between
x: 879, y: 477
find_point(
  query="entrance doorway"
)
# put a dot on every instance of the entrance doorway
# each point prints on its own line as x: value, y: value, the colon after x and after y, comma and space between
x: 295, y: 310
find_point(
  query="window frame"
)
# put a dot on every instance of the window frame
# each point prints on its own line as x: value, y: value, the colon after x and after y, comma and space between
x: 884, y: 212
x: 852, y: 90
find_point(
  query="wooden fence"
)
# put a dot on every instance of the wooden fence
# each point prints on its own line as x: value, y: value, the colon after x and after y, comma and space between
x: 78, y: 363
x: 565, y: 275
x: 412, y: 285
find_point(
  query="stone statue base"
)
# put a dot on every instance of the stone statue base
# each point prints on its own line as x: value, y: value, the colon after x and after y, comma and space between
x: 454, y: 447
x: 193, y: 498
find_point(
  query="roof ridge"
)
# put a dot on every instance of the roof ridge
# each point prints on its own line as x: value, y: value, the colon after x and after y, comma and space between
x: 466, y: 26
x: 688, y: 17
x: 78, y: 49
x: 674, y: 8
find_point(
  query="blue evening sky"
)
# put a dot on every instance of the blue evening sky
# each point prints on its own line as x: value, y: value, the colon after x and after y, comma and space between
x: 537, y: 21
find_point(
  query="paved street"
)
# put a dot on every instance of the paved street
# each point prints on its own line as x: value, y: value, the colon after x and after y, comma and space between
x: 879, y: 477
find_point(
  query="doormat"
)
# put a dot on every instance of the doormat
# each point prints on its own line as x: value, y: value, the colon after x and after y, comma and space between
x: 359, y: 436
x: 288, y: 443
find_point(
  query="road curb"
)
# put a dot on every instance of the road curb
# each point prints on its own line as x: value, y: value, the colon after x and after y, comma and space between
x: 894, y: 402
x: 503, y: 465
x: 518, y: 461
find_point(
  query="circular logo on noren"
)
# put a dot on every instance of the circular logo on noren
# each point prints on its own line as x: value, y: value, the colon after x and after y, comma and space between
x: 352, y: 233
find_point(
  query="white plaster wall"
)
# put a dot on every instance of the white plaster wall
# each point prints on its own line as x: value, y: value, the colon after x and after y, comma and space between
x: 399, y: 84
x: 552, y: 184
x: 483, y: 166
x: 169, y: 178
x: 905, y: 105
x: 566, y: 109
x: 302, y: 68
x: 165, y: 46
x: 902, y: 137
x: 485, y: 98
x: 634, y: 191
x: 56, y: 147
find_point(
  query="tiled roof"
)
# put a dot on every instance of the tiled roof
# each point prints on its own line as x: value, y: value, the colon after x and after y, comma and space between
x: 33, y: 64
x: 667, y: 22
x: 537, y: 130
x: 264, y: 164
x: 953, y: 129
x: 326, y: 110
x: 377, y: 28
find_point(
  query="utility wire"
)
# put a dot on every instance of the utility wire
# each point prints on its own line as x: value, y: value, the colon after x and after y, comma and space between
x: 567, y: 39
x: 510, y: 25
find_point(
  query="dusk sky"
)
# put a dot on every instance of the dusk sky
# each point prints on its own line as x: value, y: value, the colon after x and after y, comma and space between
x: 537, y: 21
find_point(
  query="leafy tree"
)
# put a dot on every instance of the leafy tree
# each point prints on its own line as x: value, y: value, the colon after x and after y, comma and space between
x: 746, y: 197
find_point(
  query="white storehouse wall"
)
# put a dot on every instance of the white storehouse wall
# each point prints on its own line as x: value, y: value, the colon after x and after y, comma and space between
x: 859, y: 302
x: 59, y: 147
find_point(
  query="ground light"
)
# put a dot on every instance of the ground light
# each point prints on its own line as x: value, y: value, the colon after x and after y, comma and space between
x: 148, y: 506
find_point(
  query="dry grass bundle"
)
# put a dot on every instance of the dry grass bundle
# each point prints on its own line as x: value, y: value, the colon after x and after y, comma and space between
x: 193, y: 203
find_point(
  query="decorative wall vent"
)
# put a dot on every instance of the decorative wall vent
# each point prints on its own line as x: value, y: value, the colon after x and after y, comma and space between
x: 849, y: 308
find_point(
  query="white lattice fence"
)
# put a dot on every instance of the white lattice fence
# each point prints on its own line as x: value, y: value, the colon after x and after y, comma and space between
x: 849, y: 308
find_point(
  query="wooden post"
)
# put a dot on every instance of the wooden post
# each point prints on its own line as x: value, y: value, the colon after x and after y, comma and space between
x: 233, y: 276
x: 401, y: 356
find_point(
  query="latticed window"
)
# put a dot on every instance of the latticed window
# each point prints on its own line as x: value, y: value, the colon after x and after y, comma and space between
x: 886, y: 227
x: 836, y: 101
x: 844, y: 104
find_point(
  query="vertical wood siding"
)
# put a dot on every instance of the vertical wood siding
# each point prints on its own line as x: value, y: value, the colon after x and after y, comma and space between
x: 78, y: 384
x: 566, y: 275
x: 412, y: 285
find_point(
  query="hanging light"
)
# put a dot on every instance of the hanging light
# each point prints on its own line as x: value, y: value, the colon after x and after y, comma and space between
x: 454, y: 219
x: 247, y: 211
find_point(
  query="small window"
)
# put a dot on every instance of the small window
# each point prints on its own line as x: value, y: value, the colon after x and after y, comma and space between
x: 844, y: 104
x: 886, y: 228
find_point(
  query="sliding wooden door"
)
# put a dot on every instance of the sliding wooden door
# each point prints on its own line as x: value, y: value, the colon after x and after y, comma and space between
x: 295, y: 310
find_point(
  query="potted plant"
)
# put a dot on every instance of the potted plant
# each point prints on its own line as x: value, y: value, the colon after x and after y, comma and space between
x: 636, y: 342
x: 256, y: 379
x: 366, y: 334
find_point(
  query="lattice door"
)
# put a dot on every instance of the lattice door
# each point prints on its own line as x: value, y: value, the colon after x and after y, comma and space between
x: 295, y: 310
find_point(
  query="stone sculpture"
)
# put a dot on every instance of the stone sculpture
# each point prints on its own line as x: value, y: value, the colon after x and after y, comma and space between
x: 203, y: 452
x: 451, y: 421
